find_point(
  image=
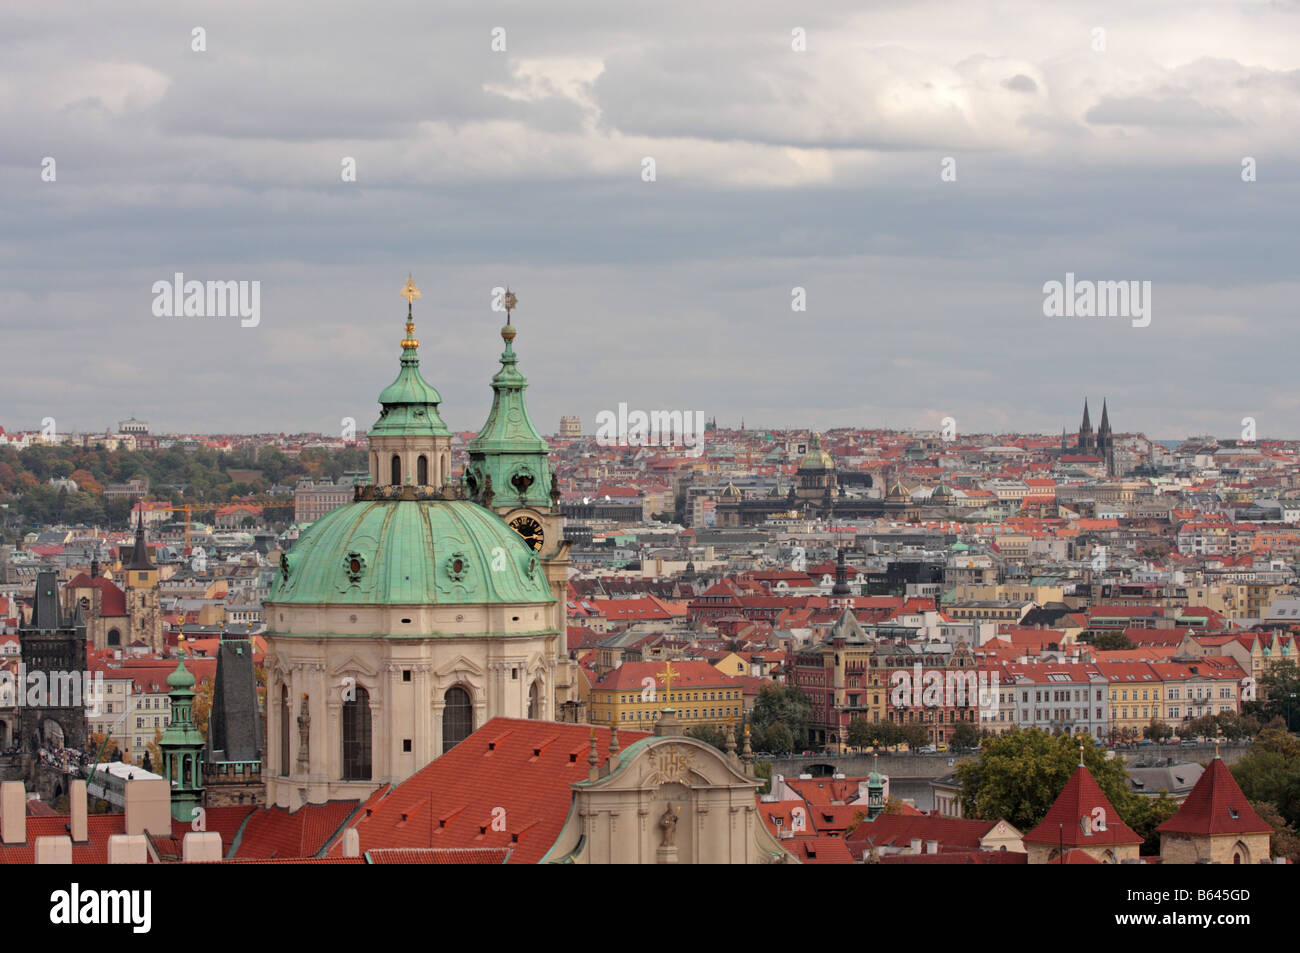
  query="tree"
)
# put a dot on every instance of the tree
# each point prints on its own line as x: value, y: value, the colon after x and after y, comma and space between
x: 861, y: 733
x: 784, y: 706
x: 1021, y: 773
x: 1145, y: 815
x: 888, y: 734
x: 1107, y: 641
x: 1158, y: 730
x: 1280, y: 691
x: 202, y: 706
x: 153, y: 752
x: 763, y: 769
x: 1286, y: 840
x: 914, y: 736
x: 709, y: 734
x: 1270, y: 772
x: 965, y: 735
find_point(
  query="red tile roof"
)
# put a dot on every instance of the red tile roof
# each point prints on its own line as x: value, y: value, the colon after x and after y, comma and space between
x: 439, y: 855
x: 525, y: 768
x: 99, y: 828
x: 630, y: 675
x: 1076, y: 811
x: 112, y: 600
x: 1216, y: 805
x: 275, y: 833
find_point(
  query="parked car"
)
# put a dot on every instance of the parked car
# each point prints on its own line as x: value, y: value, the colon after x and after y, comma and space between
x: 928, y: 749
x: 1145, y: 742
x: 940, y: 747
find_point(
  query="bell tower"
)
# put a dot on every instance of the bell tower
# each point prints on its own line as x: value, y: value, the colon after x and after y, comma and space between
x: 509, y: 472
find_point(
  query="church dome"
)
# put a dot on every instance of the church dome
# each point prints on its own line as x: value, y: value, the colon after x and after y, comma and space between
x: 816, y: 459
x: 409, y: 552
x: 731, y: 492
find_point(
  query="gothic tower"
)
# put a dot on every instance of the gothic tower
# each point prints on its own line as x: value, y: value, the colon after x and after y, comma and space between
x: 1087, y: 440
x: 1105, y: 441
x: 143, y: 609
x: 54, y: 644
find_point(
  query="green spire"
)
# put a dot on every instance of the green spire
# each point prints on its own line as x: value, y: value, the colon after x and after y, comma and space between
x: 182, y: 745
x: 410, y: 403
x: 508, y: 449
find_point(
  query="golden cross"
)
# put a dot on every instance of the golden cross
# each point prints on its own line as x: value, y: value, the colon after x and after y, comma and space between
x: 667, y: 676
x: 509, y: 301
x: 409, y: 291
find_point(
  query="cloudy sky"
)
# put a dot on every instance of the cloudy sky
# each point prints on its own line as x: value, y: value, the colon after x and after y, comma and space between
x: 1103, y: 139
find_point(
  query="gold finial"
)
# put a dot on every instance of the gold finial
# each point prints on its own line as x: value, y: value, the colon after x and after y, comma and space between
x: 667, y: 676
x: 509, y: 301
x: 410, y: 293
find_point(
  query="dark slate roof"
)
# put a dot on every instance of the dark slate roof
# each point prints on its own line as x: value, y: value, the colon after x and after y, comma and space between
x: 234, y: 725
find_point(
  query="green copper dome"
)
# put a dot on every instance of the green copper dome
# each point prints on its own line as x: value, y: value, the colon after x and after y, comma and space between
x: 410, y: 552
x: 816, y: 459
x: 181, y: 678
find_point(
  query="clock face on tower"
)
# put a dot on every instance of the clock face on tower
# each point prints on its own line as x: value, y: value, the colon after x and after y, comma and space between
x: 529, y: 530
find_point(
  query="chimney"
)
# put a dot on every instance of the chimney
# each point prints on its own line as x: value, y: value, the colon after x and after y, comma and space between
x: 128, y: 849
x: 54, y: 850
x: 13, y: 813
x: 916, y: 845
x: 77, y: 807
x: 148, y: 806
x: 351, y: 843
x: 200, y: 847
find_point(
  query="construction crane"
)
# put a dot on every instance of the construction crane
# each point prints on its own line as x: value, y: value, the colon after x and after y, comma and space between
x: 190, y: 508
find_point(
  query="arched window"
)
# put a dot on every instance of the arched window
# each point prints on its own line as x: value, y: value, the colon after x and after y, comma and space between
x: 396, y: 470
x: 457, y: 717
x: 356, y: 737
x: 535, y: 701
x: 284, y: 730
x: 422, y: 470
x: 114, y: 637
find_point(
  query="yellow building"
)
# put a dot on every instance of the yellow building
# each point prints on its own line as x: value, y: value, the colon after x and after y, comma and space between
x: 634, y: 695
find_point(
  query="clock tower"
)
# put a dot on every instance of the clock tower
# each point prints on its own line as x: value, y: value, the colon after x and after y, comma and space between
x: 509, y: 472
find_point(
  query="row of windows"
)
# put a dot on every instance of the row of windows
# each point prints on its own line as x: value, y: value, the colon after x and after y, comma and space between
x: 690, y: 713
x: 681, y: 697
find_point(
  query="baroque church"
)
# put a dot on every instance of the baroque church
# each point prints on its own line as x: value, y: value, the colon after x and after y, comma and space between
x: 401, y: 622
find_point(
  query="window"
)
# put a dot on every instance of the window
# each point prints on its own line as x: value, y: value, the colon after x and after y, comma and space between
x: 284, y: 730
x: 535, y: 701
x: 356, y: 737
x: 457, y: 717
x: 396, y: 470
x: 422, y: 470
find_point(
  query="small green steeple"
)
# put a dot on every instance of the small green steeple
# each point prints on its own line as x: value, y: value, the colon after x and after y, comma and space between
x: 182, y: 745
x: 410, y: 403
x: 508, y: 450
x: 875, y: 791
